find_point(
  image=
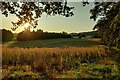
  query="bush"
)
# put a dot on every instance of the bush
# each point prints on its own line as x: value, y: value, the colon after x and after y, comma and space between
x: 6, y: 35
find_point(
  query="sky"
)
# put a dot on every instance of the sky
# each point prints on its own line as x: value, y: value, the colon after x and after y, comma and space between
x: 80, y: 22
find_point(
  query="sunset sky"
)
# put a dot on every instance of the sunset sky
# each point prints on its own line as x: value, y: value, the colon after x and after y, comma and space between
x: 80, y: 22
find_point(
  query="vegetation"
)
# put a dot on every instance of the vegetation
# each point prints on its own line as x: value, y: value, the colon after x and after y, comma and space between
x: 20, y: 61
x: 68, y: 42
x: 61, y: 58
x: 6, y: 35
x: 68, y: 62
x: 25, y: 11
x: 93, y: 34
x: 107, y: 25
x: 27, y: 35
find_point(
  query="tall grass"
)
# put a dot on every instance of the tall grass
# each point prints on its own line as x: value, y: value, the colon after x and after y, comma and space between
x: 52, y: 60
x: 13, y: 56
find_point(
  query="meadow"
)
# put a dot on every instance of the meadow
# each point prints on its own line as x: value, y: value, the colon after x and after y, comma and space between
x: 68, y: 42
x: 59, y: 58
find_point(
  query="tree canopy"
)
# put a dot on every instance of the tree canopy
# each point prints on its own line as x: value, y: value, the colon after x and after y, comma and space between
x: 29, y: 12
x: 108, y: 13
x: 108, y: 25
x: 6, y: 35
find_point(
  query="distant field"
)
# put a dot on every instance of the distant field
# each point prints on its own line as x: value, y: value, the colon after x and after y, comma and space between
x: 55, y: 43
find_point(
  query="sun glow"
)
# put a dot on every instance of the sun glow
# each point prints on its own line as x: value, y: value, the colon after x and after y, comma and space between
x: 27, y: 25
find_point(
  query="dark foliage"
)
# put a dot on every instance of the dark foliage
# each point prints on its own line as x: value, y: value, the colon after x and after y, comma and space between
x: 93, y: 34
x: 6, y: 35
x: 29, y: 12
x: 108, y: 25
x: 39, y: 35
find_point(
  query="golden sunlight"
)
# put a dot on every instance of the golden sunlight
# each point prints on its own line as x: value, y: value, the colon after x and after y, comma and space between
x: 26, y: 25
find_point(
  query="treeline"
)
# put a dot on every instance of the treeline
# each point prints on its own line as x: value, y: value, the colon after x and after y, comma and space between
x: 6, y: 35
x: 27, y: 35
x: 39, y: 35
x: 93, y: 34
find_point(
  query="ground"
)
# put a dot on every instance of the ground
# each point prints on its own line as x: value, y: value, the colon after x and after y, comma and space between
x: 59, y: 58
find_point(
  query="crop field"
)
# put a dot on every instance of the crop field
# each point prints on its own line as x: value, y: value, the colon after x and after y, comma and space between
x: 59, y: 58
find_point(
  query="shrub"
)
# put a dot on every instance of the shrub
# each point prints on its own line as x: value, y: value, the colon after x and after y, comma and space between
x: 6, y: 35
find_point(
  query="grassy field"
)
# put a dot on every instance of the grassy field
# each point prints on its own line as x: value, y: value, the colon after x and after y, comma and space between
x: 59, y: 58
x: 70, y: 42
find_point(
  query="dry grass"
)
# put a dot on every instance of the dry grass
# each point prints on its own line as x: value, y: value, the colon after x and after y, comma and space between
x: 52, y: 60
x: 61, y: 62
x: 29, y: 55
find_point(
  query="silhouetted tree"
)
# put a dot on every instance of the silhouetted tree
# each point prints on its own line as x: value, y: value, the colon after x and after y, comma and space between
x: 29, y: 12
x: 39, y: 35
x: 108, y: 25
x: 6, y: 35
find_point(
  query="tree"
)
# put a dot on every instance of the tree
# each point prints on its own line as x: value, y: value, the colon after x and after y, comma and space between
x: 108, y: 25
x: 29, y: 12
x: 6, y: 35
x: 27, y: 35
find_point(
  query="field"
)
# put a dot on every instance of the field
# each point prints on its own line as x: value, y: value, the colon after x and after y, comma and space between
x: 54, y: 43
x: 59, y: 58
